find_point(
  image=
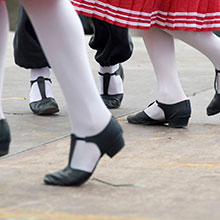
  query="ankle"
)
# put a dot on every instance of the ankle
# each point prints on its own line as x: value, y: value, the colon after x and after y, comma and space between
x: 85, y: 156
x: 93, y: 125
x: 111, y: 82
x: 108, y: 69
x: 171, y: 97
x: 35, y: 92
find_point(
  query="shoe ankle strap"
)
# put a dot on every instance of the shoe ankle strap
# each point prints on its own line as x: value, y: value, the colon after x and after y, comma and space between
x: 107, y: 74
x: 40, y: 78
x: 116, y: 73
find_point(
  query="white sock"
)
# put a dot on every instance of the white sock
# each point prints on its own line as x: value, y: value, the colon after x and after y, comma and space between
x: 4, y: 29
x: 34, y: 90
x: 115, y: 84
x: 206, y: 42
x: 59, y: 29
x: 108, y: 69
x: 160, y: 47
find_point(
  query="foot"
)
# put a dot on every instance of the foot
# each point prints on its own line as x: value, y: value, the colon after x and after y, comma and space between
x: 5, y: 137
x: 40, y: 104
x: 176, y: 115
x: 111, y: 86
x: 214, y: 106
x: 144, y: 119
x: 85, y: 154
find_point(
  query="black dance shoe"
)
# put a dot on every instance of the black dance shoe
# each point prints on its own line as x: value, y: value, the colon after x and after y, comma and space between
x: 144, y: 119
x: 5, y: 137
x: 176, y: 115
x: 46, y: 106
x: 111, y: 101
x: 214, y: 106
x: 109, y: 141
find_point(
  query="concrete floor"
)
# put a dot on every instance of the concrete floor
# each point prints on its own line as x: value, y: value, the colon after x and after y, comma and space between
x: 161, y: 174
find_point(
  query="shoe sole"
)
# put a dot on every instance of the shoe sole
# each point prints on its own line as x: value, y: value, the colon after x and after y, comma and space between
x: 47, y: 111
x: 212, y: 113
x: 146, y: 123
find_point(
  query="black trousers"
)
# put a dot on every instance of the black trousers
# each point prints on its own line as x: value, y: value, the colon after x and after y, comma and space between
x: 113, y: 44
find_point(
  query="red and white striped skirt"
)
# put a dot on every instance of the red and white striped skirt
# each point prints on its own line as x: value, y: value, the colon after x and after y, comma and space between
x: 189, y: 15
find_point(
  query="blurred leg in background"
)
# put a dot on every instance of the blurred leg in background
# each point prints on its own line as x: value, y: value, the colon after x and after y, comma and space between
x: 4, y: 28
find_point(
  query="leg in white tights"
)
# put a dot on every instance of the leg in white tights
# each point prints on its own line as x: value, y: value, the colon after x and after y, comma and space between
x: 35, y: 94
x: 160, y: 47
x: 61, y: 35
x: 4, y: 28
x: 206, y: 42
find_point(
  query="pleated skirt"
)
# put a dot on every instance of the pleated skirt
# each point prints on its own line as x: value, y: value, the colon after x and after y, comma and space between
x: 188, y: 15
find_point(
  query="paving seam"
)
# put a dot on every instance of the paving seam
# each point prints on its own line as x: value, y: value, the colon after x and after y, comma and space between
x: 34, y: 147
x: 119, y: 118
x: 48, y: 142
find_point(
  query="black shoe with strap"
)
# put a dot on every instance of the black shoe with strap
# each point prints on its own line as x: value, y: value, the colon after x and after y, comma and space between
x: 45, y: 106
x: 111, y: 101
x: 214, y: 106
x: 5, y: 137
x: 176, y: 115
x: 109, y: 141
x: 144, y: 119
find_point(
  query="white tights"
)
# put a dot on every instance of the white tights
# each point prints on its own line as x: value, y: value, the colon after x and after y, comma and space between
x: 61, y: 35
x: 4, y: 28
x: 160, y: 47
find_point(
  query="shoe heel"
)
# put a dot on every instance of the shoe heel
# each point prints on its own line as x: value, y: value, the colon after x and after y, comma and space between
x: 116, y: 146
x: 177, y: 114
x: 4, y: 149
x: 179, y: 122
